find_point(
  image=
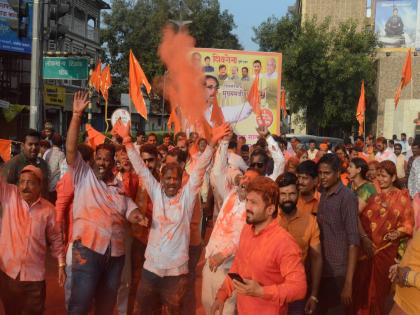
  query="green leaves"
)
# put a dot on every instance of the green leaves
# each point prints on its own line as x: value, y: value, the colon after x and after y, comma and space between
x: 323, y: 67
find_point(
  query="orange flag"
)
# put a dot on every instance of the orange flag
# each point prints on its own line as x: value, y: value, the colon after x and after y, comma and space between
x: 254, y: 97
x: 174, y: 120
x: 283, y: 101
x: 95, y: 77
x: 216, y: 114
x: 405, y: 79
x: 5, y: 149
x: 95, y: 138
x: 137, y: 79
x: 106, y: 82
x: 361, y: 109
x: 117, y: 127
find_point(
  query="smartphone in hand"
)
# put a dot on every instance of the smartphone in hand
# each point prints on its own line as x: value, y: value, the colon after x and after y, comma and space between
x: 236, y: 276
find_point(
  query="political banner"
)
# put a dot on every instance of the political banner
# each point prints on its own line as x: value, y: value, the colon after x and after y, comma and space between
x: 397, y: 24
x: 9, y: 39
x: 236, y: 71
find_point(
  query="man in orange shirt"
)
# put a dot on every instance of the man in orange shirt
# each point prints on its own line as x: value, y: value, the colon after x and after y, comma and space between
x: 302, y: 225
x: 268, y: 259
x: 307, y: 176
x: 27, y: 225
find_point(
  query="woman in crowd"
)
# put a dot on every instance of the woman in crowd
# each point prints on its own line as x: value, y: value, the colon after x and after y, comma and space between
x: 386, y: 219
x: 372, y: 174
x: 359, y: 183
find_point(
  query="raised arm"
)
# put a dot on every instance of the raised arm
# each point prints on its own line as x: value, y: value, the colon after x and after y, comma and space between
x: 80, y: 102
x: 197, y: 176
x: 149, y: 181
x: 220, y: 168
x: 276, y: 154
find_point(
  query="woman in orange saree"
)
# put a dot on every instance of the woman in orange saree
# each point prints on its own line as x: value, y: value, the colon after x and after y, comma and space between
x: 386, y: 219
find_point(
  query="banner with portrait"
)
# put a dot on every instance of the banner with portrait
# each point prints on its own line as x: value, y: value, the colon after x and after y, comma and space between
x: 397, y: 24
x: 235, y: 70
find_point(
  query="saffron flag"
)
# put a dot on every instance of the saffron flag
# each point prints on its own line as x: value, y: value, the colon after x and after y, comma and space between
x: 283, y: 101
x: 106, y: 82
x: 217, y: 117
x: 137, y: 80
x: 361, y: 109
x: 254, y: 97
x: 175, y: 121
x: 95, y: 138
x: 405, y: 79
x: 95, y: 77
x: 117, y: 128
x: 5, y: 149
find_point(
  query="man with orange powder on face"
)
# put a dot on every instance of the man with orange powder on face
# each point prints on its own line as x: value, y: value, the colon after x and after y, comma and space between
x: 100, y: 210
x: 27, y: 225
x: 164, y: 275
x: 268, y: 267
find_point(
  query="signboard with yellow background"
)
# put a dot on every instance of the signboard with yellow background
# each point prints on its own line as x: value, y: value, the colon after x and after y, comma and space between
x: 235, y: 71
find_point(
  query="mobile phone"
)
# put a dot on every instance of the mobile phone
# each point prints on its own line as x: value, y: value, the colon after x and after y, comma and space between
x: 236, y: 276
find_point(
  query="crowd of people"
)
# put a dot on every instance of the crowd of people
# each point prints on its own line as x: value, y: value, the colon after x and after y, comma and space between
x: 283, y: 227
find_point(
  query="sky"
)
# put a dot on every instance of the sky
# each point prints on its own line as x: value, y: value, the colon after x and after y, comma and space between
x: 250, y: 13
x: 247, y: 14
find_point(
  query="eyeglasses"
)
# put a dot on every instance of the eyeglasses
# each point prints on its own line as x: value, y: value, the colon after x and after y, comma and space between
x: 212, y: 87
x: 148, y: 160
x: 257, y: 164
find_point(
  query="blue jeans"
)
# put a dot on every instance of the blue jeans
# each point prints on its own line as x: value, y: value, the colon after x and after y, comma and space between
x: 94, y: 277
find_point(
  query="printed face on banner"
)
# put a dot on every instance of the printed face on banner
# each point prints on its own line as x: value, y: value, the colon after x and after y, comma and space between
x: 236, y: 71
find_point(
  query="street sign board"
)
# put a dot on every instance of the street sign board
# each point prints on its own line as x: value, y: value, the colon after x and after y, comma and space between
x: 65, y: 68
x: 9, y: 39
x: 54, y: 95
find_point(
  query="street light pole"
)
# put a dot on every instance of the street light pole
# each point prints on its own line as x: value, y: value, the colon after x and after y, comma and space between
x: 35, y: 65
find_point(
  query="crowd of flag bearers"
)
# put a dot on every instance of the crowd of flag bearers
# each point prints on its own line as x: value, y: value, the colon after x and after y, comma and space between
x: 273, y: 228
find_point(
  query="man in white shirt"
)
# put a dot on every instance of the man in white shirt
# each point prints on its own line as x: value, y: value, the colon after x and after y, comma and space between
x: 384, y: 153
x: 312, y: 150
x: 224, y: 239
x: 164, y: 274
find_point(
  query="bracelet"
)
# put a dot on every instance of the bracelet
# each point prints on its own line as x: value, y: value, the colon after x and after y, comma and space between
x: 79, y: 115
x: 61, y: 265
x: 314, y: 298
x: 363, y: 236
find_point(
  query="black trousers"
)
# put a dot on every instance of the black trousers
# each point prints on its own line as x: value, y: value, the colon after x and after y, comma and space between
x: 22, y: 297
x: 155, y: 292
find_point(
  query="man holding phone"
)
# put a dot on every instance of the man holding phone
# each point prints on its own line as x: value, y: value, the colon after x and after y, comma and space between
x: 268, y: 259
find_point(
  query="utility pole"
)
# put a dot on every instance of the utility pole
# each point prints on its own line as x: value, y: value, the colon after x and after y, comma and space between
x: 35, y: 66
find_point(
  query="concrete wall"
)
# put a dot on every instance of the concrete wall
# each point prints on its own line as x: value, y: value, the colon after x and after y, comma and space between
x: 388, y: 78
x: 338, y: 10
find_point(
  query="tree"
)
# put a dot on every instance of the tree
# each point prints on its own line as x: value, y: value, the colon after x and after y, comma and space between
x: 137, y: 25
x: 323, y: 69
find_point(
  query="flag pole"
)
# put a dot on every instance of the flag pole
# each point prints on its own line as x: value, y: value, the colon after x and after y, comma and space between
x: 106, y: 116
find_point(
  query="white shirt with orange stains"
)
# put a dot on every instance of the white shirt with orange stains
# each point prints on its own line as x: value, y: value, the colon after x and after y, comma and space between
x: 169, y: 238
x: 227, y: 230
